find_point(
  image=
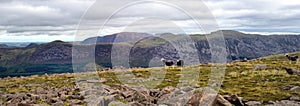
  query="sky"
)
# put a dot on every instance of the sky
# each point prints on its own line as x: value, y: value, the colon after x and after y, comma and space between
x: 48, y: 20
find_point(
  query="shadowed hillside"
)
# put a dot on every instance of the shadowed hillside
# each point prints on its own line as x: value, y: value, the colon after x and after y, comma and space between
x: 57, y: 55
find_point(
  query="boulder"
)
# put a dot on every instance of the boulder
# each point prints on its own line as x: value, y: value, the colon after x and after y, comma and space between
x: 196, y: 98
x: 295, y: 89
x: 292, y: 71
x: 222, y: 102
x: 235, y: 100
x: 200, y: 98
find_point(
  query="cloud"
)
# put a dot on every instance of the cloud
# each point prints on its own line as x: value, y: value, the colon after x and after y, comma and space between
x: 42, y: 12
x: 60, y: 17
x: 257, y: 15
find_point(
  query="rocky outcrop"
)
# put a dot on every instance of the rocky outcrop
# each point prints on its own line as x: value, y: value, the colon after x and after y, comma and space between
x: 49, y: 95
x: 235, y: 100
x: 106, y: 95
x: 94, y: 94
x: 292, y: 71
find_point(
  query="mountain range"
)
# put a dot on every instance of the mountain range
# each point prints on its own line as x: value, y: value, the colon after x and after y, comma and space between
x: 56, y: 56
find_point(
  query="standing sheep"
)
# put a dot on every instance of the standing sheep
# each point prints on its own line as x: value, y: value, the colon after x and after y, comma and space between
x: 168, y: 62
x: 180, y: 63
x: 292, y: 58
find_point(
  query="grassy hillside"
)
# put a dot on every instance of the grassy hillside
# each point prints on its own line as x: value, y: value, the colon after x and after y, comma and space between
x: 280, y: 56
x: 257, y: 80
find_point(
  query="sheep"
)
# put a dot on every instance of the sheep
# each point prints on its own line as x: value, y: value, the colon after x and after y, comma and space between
x: 167, y: 62
x: 244, y: 60
x: 171, y: 63
x: 179, y: 63
x: 292, y: 58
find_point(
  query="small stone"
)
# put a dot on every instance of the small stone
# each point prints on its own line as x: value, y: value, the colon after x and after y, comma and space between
x: 253, y: 103
x: 55, y: 100
x: 114, y: 103
x: 102, y: 80
x: 2, y: 93
x: 31, y: 85
x: 40, y: 91
x: 295, y: 98
x: 155, y: 93
x: 76, y: 97
x: 179, y: 75
x: 24, y: 104
x: 271, y: 102
x: 60, y: 103
x: 110, y: 79
x: 168, y: 89
x: 75, y: 102
x: 139, y: 75
x: 93, y: 81
x: 168, y: 80
x: 136, y: 104
x: 63, y: 97
x: 127, y: 94
x: 186, y: 89
x: 295, y: 89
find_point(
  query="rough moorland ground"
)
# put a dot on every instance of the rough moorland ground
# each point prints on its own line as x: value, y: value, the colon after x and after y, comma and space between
x: 262, y: 80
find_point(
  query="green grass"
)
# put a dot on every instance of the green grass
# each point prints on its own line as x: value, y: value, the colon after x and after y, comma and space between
x: 280, y: 56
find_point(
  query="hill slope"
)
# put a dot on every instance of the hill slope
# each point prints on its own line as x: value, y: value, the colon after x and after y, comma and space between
x: 57, y: 55
x: 256, y: 80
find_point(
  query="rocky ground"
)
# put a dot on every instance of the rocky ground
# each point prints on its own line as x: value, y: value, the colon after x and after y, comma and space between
x: 121, y: 95
x: 244, y: 84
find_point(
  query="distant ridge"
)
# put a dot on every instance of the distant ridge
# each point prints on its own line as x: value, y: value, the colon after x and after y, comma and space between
x: 122, y: 37
x: 56, y: 56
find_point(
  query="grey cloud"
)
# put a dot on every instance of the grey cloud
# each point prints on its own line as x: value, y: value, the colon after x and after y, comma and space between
x: 21, y: 29
x: 55, y: 17
x: 41, y: 12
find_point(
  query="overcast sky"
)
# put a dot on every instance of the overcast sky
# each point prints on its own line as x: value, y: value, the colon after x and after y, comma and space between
x: 48, y: 20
